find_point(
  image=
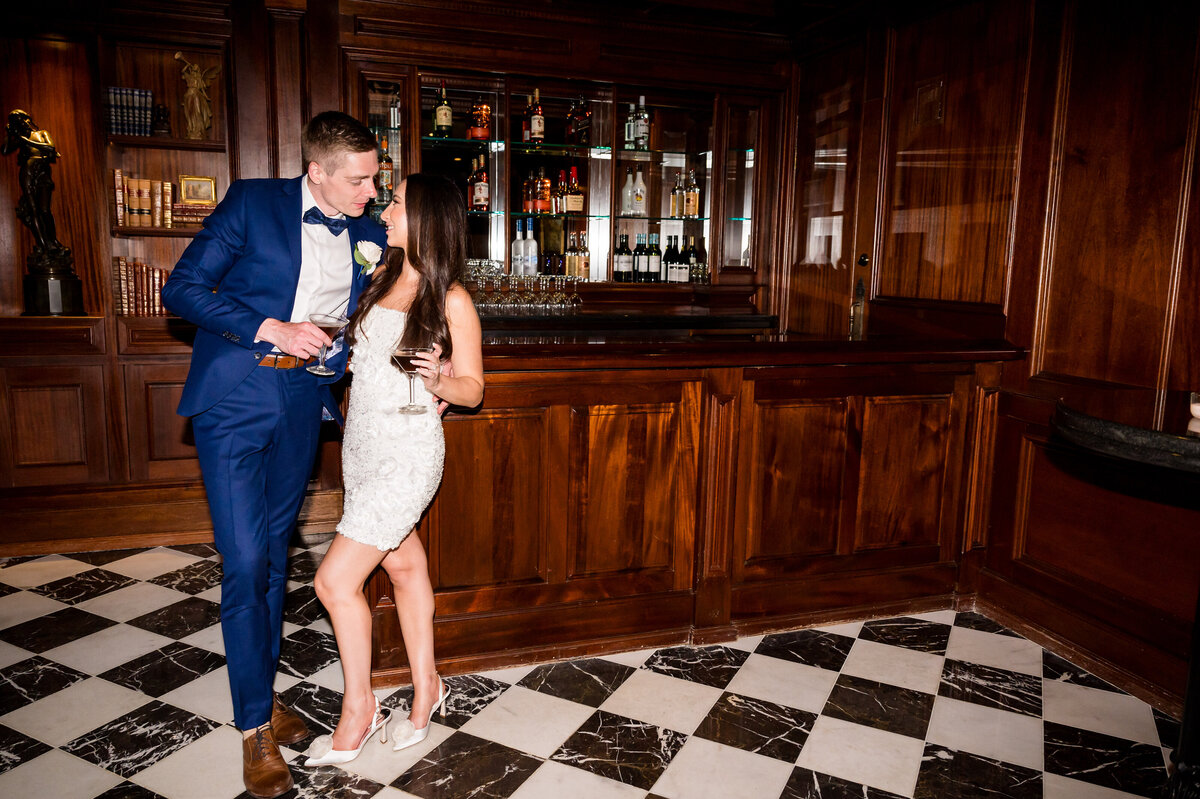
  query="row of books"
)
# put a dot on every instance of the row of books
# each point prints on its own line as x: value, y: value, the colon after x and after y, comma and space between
x: 143, y: 202
x: 129, y: 111
x: 137, y: 287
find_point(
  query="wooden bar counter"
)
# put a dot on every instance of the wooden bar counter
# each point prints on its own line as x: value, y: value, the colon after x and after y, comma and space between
x: 617, y: 493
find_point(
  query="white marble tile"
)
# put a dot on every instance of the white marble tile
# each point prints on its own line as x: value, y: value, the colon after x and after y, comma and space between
x: 284, y: 681
x: 554, y: 780
x: 151, y: 563
x: 379, y: 763
x: 633, y: 659
x: 132, y: 601
x: 937, y: 616
x: 1055, y: 786
x: 25, y: 606
x: 77, y: 709
x: 894, y: 665
x: 864, y: 755
x: 663, y: 701
x: 110, y: 647
x: 850, y: 629
x: 992, y: 649
x: 331, y: 677
x: 56, y: 774
x: 289, y: 628
x: 210, y: 638
x: 212, y: 594
x: 217, y: 756
x: 511, y: 675
x: 528, y: 721
x: 322, y: 625
x: 42, y: 570
x: 988, y: 732
x: 206, y: 696
x: 707, y: 770
x: 10, y: 654
x: 746, y: 644
x: 776, y: 680
x: 1098, y: 710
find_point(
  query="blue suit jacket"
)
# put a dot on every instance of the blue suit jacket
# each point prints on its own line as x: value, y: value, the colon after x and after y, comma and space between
x: 249, y: 252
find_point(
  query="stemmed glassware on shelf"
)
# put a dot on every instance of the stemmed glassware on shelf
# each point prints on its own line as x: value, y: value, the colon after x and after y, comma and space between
x: 332, y: 326
x: 405, y: 360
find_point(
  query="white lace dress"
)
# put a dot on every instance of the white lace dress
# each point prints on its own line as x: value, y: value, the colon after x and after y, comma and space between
x: 391, y: 462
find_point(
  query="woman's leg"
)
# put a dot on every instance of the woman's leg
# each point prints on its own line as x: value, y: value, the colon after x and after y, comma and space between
x: 339, y: 585
x: 408, y: 570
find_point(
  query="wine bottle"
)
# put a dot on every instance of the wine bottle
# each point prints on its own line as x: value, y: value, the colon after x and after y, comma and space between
x: 443, y: 114
x: 525, y: 118
x: 639, y: 260
x: 654, y: 261
x: 571, y: 255
x: 700, y: 262
x: 641, y: 126
x: 677, y: 195
x: 480, y: 190
x: 638, y: 207
x: 560, y: 193
x: 573, y: 199
x: 537, y: 120
x: 623, y: 261
x: 630, y: 121
x: 691, y: 197
x: 585, y: 258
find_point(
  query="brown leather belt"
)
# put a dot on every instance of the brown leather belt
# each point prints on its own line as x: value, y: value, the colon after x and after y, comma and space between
x: 280, y: 361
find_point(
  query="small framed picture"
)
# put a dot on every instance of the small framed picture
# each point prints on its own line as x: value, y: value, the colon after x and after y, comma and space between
x: 196, y: 190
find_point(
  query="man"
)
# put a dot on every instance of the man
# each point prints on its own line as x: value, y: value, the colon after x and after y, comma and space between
x: 271, y: 254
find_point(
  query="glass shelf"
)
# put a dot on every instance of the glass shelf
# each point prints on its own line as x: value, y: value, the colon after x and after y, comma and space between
x: 471, y: 212
x: 739, y: 219
x: 570, y: 150
x: 534, y: 215
x: 664, y: 218
x: 647, y: 155
x: 465, y: 144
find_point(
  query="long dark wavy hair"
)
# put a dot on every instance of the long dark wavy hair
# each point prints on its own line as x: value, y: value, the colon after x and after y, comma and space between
x: 437, y: 250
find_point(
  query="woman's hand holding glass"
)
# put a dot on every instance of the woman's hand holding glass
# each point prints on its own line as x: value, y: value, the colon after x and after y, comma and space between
x: 428, y: 367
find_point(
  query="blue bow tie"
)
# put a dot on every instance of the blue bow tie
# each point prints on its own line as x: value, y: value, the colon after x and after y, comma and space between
x: 314, y: 216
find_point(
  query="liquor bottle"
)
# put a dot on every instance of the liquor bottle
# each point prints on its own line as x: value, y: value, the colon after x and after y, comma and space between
x: 639, y: 194
x: 525, y: 118
x: 691, y: 197
x: 560, y: 193
x: 527, y: 190
x: 480, y: 126
x: 689, y: 258
x: 531, y: 249
x: 541, y: 195
x: 677, y: 195
x: 517, y: 264
x: 585, y: 258
x: 537, y: 120
x: 480, y: 190
x: 654, y: 261
x: 641, y: 126
x: 571, y: 255
x: 573, y: 200
x: 630, y: 121
x: 571, y: 135
x: 443, y: 114
x: 583, y: 123
x: 471, y: 184
x: 386, y: 174
x: 701, y: 262
x: 623, y: 261
x: 627, y: 193
x: 640, y: 261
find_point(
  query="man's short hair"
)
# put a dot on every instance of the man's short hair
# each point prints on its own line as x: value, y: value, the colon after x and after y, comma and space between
x: 330, y: 136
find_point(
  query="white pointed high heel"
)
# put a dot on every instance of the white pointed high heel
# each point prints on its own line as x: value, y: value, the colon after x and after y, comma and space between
x: 322, y: 753
x: 407, y: 734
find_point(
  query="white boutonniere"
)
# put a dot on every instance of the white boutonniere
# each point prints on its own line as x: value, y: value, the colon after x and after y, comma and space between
x: 367, y: 255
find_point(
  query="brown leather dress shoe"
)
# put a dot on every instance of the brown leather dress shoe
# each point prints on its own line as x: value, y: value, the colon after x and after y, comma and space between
x: 287, y: 726
x: 263, y: 770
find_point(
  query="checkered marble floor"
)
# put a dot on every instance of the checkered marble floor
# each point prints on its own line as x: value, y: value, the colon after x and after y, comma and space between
x: 113, y: 684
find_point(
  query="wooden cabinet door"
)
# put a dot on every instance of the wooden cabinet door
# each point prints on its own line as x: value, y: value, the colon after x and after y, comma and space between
x: 160, y: 441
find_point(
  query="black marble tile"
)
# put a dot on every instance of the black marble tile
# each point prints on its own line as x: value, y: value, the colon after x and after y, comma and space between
x: 464, y: 766
x: 810, y: 647
x: 326, y: 782
x: 199, y: 550
x: 127, y: 790
x: 306, y: 652
x: 950, y: 774
x: 975, y: 621
x: 757, y: 726
x: 302, y: 566
x: 1100, y: 759
x: 32, y: 679
x: 181, y: 618
x: 1168, y: 729
x: 301, y: 607
x: 1057, y: 668
x: 588, y: 681
x: 16, y: 748
x: 709, y: 665
x: 8, y: 563
x: 469, y: 694
x: 6, y: 589
x: 105, y: 557
x: 317, y: 705
x: 879, y: 705
x: 84, y: 586
x: 54, y: 629
x: 621, y: 749
x: 805, y: 784
x: 992, y: 687
x: 193, y: 578
x: 140, y: 738
x: 923, y: 636
x: 166, y: 669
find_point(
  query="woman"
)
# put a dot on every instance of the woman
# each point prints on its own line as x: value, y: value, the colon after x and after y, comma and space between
x: 392, y: 462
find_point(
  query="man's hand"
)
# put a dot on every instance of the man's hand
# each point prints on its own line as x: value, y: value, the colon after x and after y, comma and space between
x: 302, y: 339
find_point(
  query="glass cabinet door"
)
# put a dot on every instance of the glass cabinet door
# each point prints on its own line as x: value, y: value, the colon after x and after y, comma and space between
x: 739, y: 187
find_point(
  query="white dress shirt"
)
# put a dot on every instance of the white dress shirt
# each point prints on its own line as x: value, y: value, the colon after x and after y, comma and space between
x: 326, y: 267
